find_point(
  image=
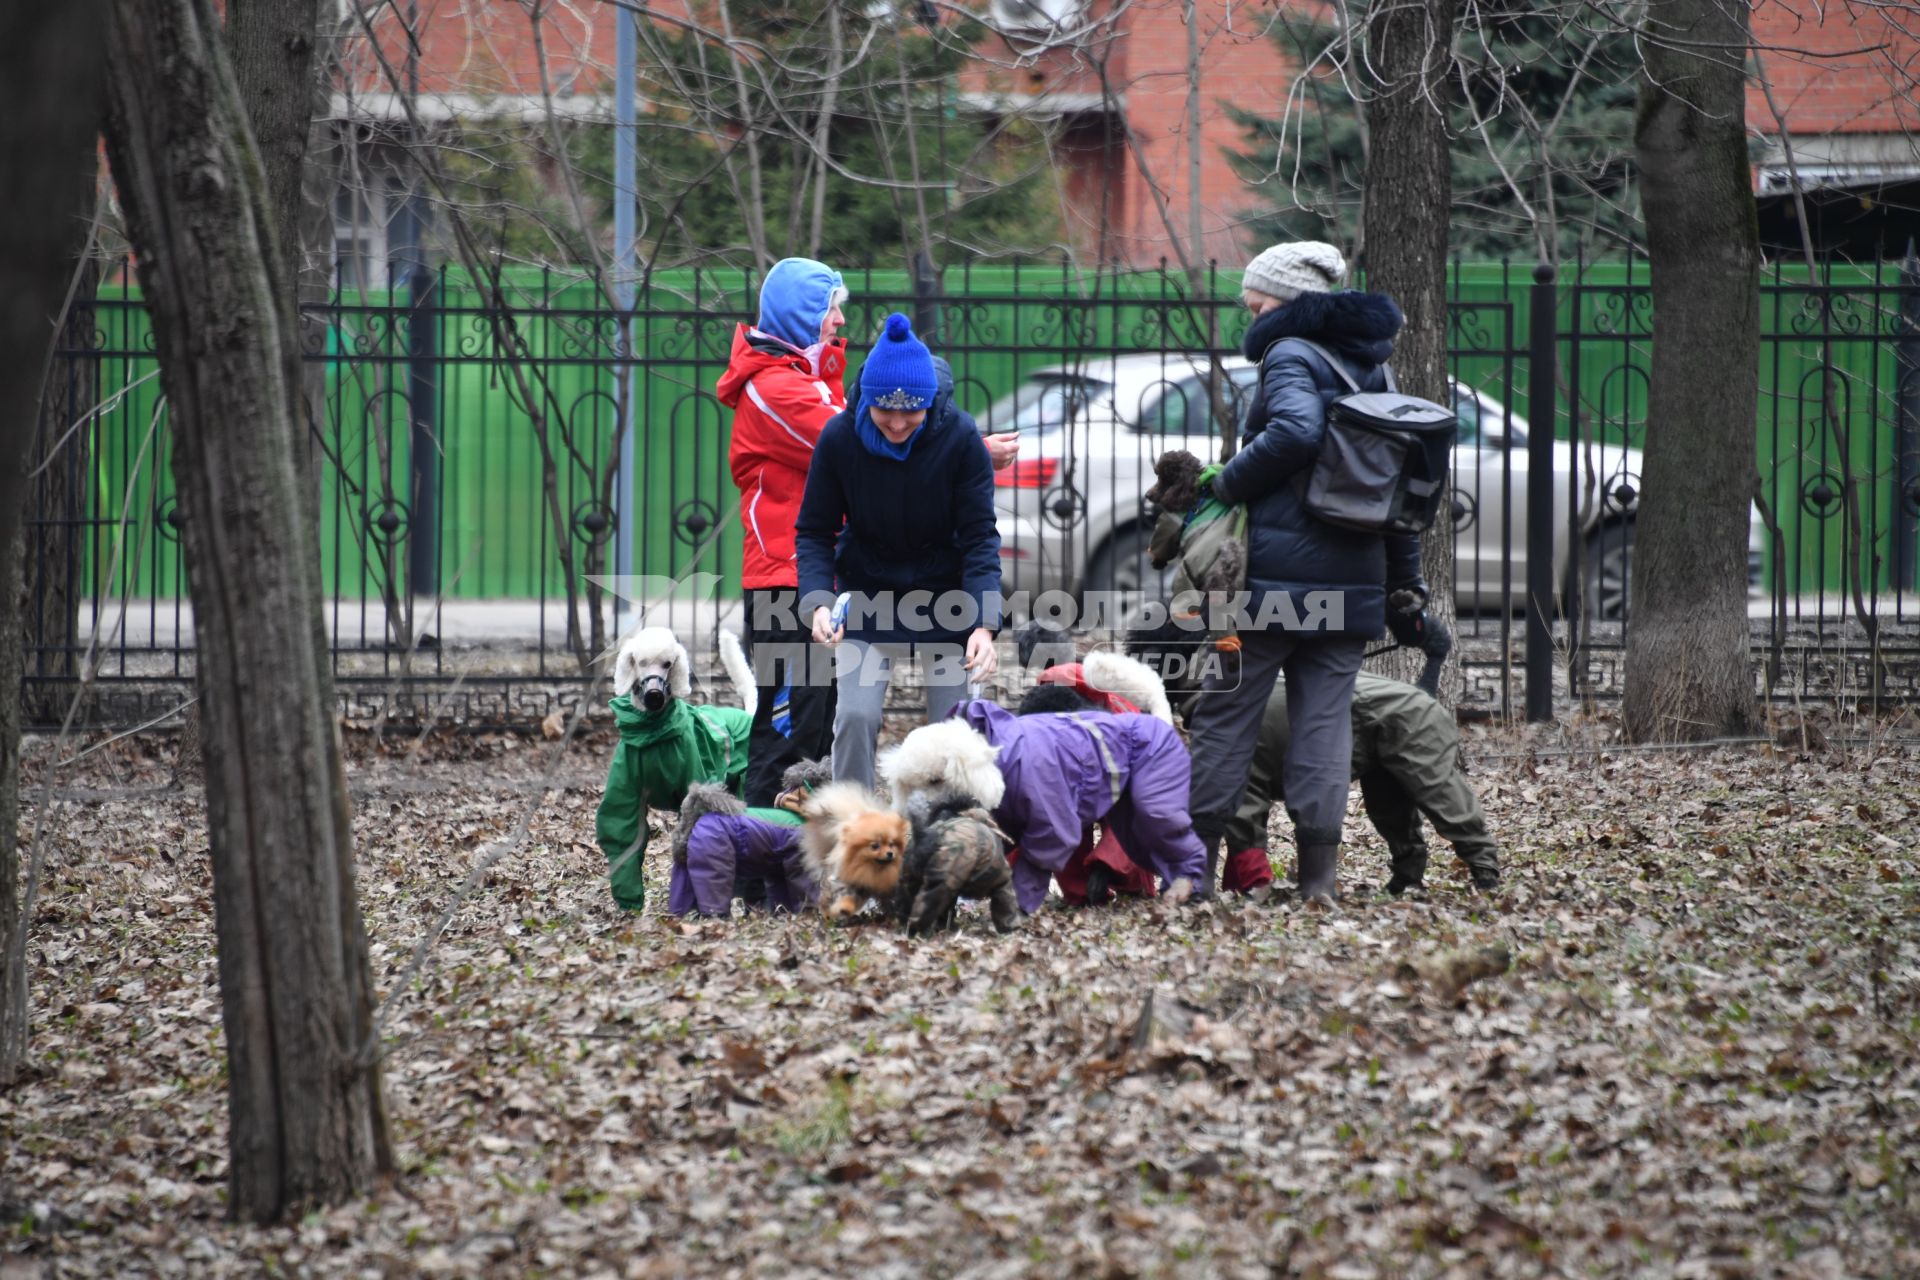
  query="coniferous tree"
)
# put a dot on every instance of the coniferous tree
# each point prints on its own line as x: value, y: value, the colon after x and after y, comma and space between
x: 1541, y: 114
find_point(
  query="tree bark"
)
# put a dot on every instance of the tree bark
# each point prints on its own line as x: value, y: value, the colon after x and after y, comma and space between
x: 1406, y: 209
x: 1687, y: 672
x: 13, y: 929
x: 50, y: 56
x: 271, y: 43
x: 306, y: 1124
x: 278, y: 56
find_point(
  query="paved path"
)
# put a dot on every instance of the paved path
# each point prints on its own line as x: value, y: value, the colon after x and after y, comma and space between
x: 163, y: 623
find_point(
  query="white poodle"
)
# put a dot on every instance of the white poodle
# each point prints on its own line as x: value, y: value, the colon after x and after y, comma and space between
x: 948, y: 756
x: 654, y: 660
x: 667, y: 745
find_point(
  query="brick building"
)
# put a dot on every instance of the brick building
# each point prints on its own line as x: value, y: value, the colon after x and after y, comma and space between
x: 1846, y: 80
x: 1108, y: 83
x: 1114, y: 88
x: 1111, y: 91
x: 477, y: 61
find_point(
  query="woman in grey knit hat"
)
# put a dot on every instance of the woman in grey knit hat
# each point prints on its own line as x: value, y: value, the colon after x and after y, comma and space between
x: 1318, y: 591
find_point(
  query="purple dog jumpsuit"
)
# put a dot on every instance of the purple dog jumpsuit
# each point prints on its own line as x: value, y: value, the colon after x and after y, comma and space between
x: 722, y: 845
x: 1069, y: 770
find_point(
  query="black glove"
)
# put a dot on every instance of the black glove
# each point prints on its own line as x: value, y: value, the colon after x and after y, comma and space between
x: 1407, y: 613
x: 1409, y: 623
x: 1408, y: 629
x: 1436, y: 643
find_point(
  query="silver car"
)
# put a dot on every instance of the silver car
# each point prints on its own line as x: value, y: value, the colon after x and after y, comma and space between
x: 1072, y: 515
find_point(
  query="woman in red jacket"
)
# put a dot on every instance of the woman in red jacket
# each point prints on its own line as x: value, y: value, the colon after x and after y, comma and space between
x: 785, y: 379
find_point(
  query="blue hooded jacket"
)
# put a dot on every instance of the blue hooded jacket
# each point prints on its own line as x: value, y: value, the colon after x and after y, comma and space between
x: 795, y: 298
x: 926, y: 522
x: 1289, y: 549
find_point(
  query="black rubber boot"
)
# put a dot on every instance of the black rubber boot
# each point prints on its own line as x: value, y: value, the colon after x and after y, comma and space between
x: 1409, y: 870
x: 751, y: 888
x: 1212, y: 835
x: 1318, y: 871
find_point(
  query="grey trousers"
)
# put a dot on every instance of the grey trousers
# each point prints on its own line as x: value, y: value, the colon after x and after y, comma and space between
x: 862, y: 672
x: 1224, y: 727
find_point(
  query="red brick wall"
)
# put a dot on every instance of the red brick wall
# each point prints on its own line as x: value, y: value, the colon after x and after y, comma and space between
x: 1240, y: 65
x: 1837, y: 66
x: 486, y: 48
x: 1146, y: 61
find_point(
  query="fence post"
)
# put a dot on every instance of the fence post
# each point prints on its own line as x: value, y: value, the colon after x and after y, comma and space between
x: 1542, y: 374
x: 1906, y: 498
x: 423, y: 450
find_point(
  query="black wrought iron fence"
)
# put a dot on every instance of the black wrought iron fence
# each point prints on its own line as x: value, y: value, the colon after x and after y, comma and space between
x: 467, y: 452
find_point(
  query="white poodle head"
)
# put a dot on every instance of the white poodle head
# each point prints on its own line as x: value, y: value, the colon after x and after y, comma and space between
x: 653, y: 667
x: 951, y: 754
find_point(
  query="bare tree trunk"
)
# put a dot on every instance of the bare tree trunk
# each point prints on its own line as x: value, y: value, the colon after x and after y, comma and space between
x: 1407, y: 205
x: 823, y: 128
x: 1196, y: 206
x: 755, y: 208
x: 50, y: 56
x: 319, y: 179
x: 306, y: 1120
x: 1686, y: 666
x: 13, y: 929
x: 271, y: 43
x: 282, y: 58
x: 13, y: 971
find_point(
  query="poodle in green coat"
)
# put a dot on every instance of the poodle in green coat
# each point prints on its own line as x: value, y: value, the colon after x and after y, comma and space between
x: 666, y: 745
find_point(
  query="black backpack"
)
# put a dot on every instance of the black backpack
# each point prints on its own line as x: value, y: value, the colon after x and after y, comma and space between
x: 1383, y: 460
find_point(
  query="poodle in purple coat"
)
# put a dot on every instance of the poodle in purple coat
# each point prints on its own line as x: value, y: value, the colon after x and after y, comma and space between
x: 720, y: 839
x: 1068, y: 770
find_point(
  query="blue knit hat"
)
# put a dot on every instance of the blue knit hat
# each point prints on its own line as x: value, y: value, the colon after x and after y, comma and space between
x: 899, y: 372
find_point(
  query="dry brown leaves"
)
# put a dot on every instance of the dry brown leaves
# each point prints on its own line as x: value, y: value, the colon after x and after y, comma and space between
x: 1700, y: 1063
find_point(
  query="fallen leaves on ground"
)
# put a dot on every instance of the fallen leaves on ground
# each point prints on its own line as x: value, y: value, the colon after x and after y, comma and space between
x: 1700, y: 1062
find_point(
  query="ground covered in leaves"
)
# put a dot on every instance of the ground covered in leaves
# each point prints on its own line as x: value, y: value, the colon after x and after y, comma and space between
x: 1701, y: 1062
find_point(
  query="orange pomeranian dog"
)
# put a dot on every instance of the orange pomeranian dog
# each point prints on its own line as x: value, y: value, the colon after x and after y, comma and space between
x: 853, y: 847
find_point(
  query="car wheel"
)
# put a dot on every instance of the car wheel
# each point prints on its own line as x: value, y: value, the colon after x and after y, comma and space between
x: 1607, y: 569
x: 1123, y: 567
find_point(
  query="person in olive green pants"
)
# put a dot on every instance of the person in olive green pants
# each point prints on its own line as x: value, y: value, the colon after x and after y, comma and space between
x: 1406, y: 754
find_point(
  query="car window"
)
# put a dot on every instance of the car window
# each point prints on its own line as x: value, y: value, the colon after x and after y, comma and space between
x: 1486, y: 423
x: 1467, y: 406
x: 1246, y: 385
x: 1183, y: 407
x: 1042, y: 403
x: 1172, y: 408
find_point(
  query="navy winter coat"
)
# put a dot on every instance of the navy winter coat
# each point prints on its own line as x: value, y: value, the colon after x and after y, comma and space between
x: 870, y: 524
x: 1290, y: 550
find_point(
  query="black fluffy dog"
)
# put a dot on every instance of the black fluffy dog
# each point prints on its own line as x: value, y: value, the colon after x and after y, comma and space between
x: 956, y: 852
x: 1045, y: 698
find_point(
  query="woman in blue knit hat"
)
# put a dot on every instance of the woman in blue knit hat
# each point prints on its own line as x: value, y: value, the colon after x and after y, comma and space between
x: 898, y: 513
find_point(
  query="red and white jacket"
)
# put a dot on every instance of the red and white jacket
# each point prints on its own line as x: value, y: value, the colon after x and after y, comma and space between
x: 780, y: 405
